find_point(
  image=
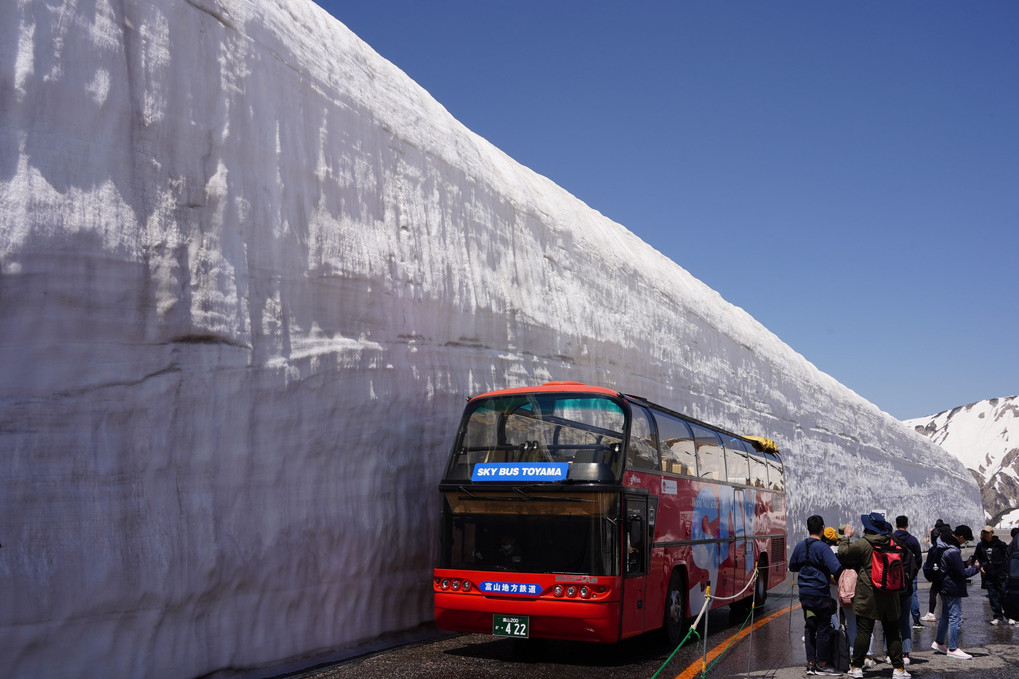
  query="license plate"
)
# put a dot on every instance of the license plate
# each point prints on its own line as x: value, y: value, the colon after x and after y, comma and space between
x: 518, y: 626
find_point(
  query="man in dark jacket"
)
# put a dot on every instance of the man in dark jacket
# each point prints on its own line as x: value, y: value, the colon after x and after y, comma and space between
x: 953, y: 589
x: 991, y: 556
x: 817, y: 568
x: 907, y: 598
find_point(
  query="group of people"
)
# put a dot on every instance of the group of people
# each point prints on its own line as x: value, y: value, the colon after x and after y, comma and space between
x: 991, y: 555
x: 834, y: 567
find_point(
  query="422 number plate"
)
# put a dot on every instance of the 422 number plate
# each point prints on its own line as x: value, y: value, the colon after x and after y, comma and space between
x: 518, y: 626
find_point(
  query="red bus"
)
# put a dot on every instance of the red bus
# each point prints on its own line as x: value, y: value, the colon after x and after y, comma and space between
x: 577, y: 512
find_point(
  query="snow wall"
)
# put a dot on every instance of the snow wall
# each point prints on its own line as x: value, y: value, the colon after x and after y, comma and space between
x: 249, y: 272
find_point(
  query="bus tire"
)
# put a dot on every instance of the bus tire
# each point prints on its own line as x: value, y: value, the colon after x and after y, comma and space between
x: 676, y: 624
x: 761, y: 586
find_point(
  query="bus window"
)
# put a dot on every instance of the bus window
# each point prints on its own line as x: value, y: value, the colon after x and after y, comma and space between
x: 776, y: 478
x: 736, y: 464
x: 643, y: 451
x: 758, y: 470
x: 677, y: 446
x: 710, y: 458
x: 538, y: 428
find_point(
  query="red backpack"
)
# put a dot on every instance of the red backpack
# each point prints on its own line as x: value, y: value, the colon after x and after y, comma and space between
x: 887, y: 567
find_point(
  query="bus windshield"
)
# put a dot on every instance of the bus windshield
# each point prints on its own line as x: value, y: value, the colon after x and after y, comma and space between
x: 540, y: 533
x: 540, y: 427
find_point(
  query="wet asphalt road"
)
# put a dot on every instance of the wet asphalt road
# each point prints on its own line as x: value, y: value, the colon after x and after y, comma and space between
x: 773, y: 650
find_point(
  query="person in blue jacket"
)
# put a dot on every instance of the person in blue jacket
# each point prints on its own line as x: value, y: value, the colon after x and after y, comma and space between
x: 953, y: 589
x: 817, y: 568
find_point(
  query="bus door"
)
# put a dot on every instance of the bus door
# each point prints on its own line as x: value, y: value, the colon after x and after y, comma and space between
x: 637, y: 549
x: 741, y: 548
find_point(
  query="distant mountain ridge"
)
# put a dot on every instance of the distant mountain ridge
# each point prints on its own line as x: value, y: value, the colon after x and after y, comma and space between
x: 985, y: 437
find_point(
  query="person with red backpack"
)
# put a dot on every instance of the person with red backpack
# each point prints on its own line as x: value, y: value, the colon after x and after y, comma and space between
x: 953, y: 589
x: 880, y: 577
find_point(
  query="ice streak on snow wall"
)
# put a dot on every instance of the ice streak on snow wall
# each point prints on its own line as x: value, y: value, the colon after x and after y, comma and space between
x: 248, y: 273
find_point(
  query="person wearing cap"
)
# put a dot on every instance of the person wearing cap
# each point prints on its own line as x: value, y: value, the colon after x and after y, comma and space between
x: 953, y: 589
x: 816, y: 568
x: 991, y: 556
x: 871, y: 604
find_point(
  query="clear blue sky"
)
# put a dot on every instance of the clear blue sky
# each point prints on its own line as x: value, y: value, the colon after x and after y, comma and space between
x: 848, y: 173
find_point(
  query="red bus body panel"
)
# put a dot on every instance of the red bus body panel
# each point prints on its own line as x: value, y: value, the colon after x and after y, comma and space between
x: 595, y: 619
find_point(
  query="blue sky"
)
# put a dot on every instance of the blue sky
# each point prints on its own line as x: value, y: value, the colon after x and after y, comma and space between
x: 848, y: 173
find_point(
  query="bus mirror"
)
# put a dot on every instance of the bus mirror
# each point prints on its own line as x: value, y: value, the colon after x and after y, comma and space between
x: 636, y: 532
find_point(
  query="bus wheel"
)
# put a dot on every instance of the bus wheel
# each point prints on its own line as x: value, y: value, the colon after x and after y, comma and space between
x: 676, y: 624
x: 761, y: 586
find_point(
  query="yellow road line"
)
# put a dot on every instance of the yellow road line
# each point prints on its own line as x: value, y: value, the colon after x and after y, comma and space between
x: 695, y: 668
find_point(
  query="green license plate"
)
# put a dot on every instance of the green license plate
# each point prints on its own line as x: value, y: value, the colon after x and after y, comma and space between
x: 518, y: 626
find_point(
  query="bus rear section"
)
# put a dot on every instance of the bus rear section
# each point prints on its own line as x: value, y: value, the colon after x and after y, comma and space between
x: 537, y: 563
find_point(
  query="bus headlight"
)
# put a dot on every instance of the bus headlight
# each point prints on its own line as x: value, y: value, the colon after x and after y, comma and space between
x: 571, y: 591
x: 558, y: 590
x: 467, y: 585
x: 444, y: 584
x: 585, y: 593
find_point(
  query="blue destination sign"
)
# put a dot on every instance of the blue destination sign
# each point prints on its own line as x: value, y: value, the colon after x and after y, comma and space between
x: 520, y: 471
x: 524, y: 588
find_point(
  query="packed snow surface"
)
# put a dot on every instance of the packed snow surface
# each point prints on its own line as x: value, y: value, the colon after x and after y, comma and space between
x: 249, y: 271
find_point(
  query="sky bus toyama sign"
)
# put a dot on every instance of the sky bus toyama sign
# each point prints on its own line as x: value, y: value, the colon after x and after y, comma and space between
x: 577, y: 512
x: 549, y: 471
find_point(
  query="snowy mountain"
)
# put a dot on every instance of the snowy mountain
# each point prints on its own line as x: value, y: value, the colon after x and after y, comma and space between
x: 985, y: 437
x: 249, y: 271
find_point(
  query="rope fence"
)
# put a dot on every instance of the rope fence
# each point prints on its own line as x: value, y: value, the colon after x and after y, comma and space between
x: 749, y: 620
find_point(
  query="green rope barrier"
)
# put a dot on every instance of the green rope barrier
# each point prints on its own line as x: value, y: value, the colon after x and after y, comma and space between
x: 732, y: 640
x: 674, y: 652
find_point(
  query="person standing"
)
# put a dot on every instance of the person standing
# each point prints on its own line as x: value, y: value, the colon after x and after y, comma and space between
x: 991, y: 556
x: 871, y: 604
x: 908, y: 602
x: 953, y: 589
x: 932, y: 599
x: 817, y: 567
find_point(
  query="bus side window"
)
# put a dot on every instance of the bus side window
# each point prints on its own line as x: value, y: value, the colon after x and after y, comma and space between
x: 776, y: 478
x: 642, y: 452
x: 676, y: 444
x: 710, y: 458
x: 758, y: 470
x: 736, y: 465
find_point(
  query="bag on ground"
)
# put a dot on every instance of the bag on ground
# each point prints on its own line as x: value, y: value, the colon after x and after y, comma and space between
x: 838, y: 654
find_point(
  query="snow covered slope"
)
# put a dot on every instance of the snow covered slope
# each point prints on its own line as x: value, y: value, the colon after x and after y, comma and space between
x: 985, y: 437
x: 249, y: 271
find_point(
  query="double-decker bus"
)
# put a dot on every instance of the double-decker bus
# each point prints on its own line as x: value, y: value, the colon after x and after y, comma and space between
x: 577, y: 512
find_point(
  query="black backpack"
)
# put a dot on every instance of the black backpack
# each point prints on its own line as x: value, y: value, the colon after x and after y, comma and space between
x: 932, y: 567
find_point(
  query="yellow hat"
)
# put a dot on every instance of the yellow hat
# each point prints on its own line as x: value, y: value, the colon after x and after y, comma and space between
x: 831, y: 534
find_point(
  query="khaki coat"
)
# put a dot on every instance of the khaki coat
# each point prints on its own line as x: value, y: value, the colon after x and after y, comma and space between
x: 868, y: 602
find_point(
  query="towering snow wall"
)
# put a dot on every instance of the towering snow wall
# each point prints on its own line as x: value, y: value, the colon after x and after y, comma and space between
x: 248, y: 273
